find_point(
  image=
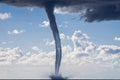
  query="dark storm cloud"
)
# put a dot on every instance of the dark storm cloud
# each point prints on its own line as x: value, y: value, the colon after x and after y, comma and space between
x: 95, y: 10
x: 104, y: 12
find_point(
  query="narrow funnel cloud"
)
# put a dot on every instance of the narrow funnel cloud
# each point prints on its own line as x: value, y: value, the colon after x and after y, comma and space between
x: 50, y: 12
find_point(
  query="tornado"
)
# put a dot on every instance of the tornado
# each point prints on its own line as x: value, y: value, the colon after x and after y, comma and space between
x: 50, y: 13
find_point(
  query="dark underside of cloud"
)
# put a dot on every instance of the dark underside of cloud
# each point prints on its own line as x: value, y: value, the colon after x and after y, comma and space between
x: 105, y: 12
x: 95, y: 10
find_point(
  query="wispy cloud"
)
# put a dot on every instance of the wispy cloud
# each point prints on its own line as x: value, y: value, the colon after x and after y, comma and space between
x: 35, y: 48
x: 16, y: 32
x: 4, y: 16
x: 6, y: 42
x: 117, y: 38
x: 49, y: 43
x: 45, y: 24
x: 3, y: 42
x: 30, y: 9
x: 64, y: 25
x: 62, y: 36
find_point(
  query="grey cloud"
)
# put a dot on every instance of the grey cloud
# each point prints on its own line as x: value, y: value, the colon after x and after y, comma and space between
x: 95, y: 10
x: 8, y: 55
x: 109, y: 49
x: 79, y: 55
x: 105, y: 12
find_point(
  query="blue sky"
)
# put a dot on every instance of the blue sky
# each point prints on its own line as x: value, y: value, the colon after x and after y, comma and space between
x: 27, y: 31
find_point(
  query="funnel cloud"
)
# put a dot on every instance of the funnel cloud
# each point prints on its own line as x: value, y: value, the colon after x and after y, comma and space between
x: 94, y: 10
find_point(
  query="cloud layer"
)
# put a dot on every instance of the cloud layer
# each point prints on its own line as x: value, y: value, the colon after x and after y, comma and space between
x: 92, y: 10
x: 10, y: 55
x: 79, y: 60
x: 83, y: 51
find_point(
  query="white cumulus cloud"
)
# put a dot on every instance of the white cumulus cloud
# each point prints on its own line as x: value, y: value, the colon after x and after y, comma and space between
x: 45, y: 24
x: 62, y: 36
x: 82, y: 43
x: 108, y: 54
x: 117, y: 38
x: 16, y: 32
x: 83, y: 51
x: 4, y: 16
x: 35, y: 48
x: 10, y: 55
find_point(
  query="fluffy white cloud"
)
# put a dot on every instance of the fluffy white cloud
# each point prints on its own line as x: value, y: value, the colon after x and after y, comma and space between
x: 109, y: 49
x: 4, y: 16
x: 35, y: 48
x: 109, y: 54
x: 83, y: 51
x: 10, y: 55
x: 15, y: 32
x: 45, y: 24
x: 38, y: 58
x: 68, y: 37
x: 30, y: 8
x: 68, y: 10
x: 49, y: 43
x: 62, y: 36
x: 117, y: 38
x: 82, y: 43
